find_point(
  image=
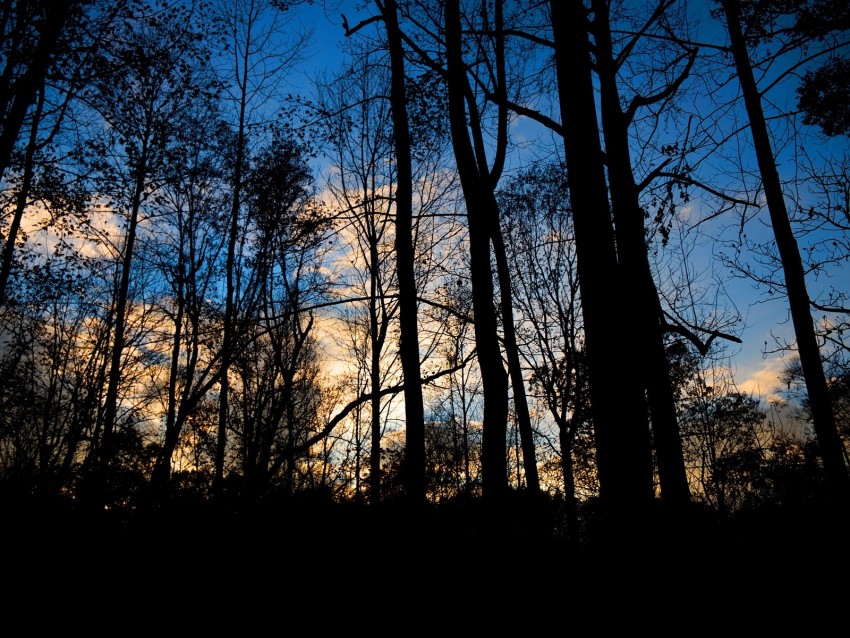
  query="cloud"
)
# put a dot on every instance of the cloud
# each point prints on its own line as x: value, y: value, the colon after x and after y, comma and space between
x: 763, y: 381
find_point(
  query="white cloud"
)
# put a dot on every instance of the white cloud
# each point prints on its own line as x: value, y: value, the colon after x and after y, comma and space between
x: 762, y: 381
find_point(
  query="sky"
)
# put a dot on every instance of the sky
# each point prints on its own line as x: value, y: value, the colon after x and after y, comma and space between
x: 756, y: 370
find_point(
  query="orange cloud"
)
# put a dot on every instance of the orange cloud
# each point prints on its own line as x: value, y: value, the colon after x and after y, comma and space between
x: 764, y: 380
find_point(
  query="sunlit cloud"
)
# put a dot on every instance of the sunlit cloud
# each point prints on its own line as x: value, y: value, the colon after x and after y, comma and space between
x: 103, y: 232
x: 763, y: 381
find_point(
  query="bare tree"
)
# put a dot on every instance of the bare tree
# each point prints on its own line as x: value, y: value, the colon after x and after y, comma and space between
x: 261, y: 50
x: 146, y: 89
x: 541, y: 242
x: 358, y: 128
x: 795, y: 282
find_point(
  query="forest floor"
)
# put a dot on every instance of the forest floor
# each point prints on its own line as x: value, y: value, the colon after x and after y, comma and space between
x: 337, y: 560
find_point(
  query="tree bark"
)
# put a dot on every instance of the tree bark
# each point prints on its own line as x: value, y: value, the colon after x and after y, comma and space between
x: 634, y: 261
x: 617, y: 398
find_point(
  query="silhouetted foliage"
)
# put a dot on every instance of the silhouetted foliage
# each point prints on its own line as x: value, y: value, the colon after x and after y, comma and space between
x: 224, y: 309
x: 825, y: 97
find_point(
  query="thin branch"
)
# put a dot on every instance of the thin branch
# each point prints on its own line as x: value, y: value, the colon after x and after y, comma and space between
x: 690, y: 181
x: 364, y: 398
x: 636, y: 37
x: 671, y: 88
x: 351, y: 31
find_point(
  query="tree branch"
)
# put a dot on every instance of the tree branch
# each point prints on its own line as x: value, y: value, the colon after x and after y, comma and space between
x: 817, y: 306
x: 690, y: 335
x: 360, y: 25
x: 363, y: 398
x: 669, y: 90
x: 527, y: 112
x: 690, y: 181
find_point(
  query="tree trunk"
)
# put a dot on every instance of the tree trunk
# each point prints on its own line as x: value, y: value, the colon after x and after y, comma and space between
x: 375, y: 374
x: 475, y: 192
x: 161, y: 474
x: 634, y: 261
x: 106, y: 451
x: 228, y: 328
x: 21, y: 201
x: 617, y: 397
x: 523, y: 417
x: 414, y: 410
x: 568, y: 471
x: 829, y: 443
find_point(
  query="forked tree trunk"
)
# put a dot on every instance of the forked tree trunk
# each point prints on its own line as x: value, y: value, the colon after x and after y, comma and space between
x: 617, y: 397
x: 523, y: 416
x: 475, y: 191
x: 633, y: 258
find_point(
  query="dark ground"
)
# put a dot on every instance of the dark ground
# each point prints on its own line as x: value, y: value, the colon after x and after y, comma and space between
x: 343, y: 566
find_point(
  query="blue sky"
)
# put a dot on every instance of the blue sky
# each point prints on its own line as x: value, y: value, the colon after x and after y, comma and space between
x: 763, y: 318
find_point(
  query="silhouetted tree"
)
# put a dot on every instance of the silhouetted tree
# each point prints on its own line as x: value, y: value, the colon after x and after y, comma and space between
x: 825, y: 99
x: 150, y: 80
x: 279, y: 393
x: 838, y: 382
x: 479, y: 196
x: 187, y: 249
x: 409, y: 338
x: 632, y: 252
x: 359, y: 147
x: 541, y: 243
x: 824, y: 91
x: 33, y: 33
x: 795, y: 283
x: 263, y: 48
x: 49, y: 55
x: 617, y: 396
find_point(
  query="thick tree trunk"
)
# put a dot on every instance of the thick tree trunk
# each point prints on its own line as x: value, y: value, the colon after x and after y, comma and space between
x: 617, y: 397
x: 414, y: 410
x: 829, y: 443
x: 634, y: 261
